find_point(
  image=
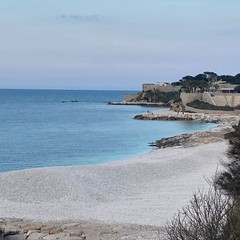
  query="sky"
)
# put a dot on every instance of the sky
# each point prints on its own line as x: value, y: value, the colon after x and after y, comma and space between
x: 115, y: 44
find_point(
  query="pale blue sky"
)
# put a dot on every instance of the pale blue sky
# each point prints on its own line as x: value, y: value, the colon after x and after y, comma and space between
x: 115, y: 44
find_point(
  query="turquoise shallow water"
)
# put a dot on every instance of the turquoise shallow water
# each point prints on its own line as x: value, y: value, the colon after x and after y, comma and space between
x: 41, y: 128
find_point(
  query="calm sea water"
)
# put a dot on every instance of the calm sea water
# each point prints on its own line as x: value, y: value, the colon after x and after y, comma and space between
x: 42, y: 128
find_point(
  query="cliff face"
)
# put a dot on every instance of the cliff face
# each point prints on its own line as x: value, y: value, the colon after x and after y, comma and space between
x: 155, y: 96
x: 216, y: 99
x: 131, y: 97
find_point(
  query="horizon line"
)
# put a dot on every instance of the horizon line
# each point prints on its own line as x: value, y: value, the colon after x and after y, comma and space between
x: 68, y: 89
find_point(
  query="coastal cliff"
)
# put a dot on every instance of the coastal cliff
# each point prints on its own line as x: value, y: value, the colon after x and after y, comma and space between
x: 204, y: 91
x: 152, y: 95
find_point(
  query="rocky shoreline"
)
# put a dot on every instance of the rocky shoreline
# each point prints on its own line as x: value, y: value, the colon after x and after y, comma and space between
x: 191, y: 139
x: 168, y: 118
x: 147, y: 104
x: 218, y: 117
x: 18, y: 229
x: 224, y: 126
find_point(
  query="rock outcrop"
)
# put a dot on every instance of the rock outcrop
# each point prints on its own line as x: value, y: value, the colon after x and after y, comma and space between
x: 17, y: 229
x: 151, y: 116
x: 190, y: 140
x: 235, y: 133
x: 21, y: 230
x: 140, y: 104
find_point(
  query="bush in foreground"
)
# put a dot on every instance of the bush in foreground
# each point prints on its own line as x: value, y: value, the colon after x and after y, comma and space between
x: 232, y: 227
x: 214, y: 215
x: 205, y: 218
x: 229, y: 179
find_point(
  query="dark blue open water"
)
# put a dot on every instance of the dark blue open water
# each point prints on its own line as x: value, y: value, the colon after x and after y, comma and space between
x: 41, y: 128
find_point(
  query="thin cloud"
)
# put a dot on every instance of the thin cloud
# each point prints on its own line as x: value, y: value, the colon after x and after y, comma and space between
x: 83, y: 18
x: 229, y: 32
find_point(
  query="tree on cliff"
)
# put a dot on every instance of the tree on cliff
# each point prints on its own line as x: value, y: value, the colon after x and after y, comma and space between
x: 190, y: 84
x: 229, y: 179
x: 229, y: 182
x: 237, y: 89
x: 230, y: 79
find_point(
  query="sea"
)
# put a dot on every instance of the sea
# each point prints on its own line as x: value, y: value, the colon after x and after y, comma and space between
x: 42, y: 128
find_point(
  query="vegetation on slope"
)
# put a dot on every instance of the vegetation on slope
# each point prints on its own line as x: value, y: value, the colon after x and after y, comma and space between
x: 155, y: 96
x: 205, y: 80
x: 204, y: 105
x: 230, y: 79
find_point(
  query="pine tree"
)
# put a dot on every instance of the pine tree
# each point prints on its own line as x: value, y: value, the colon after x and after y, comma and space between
x: 229, y: 179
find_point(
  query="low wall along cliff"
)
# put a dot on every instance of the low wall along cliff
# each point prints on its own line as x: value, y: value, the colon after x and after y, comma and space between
x: 216, y: 99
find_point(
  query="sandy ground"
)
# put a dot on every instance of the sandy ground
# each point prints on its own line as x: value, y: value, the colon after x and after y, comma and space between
x: 144, y: 190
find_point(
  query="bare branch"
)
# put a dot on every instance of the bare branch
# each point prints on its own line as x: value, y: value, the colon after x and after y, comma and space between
x: 203, y: 219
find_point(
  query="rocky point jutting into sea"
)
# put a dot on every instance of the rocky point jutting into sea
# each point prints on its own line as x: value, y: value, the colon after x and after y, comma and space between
x: 208, y: 91
x: 224, y: 120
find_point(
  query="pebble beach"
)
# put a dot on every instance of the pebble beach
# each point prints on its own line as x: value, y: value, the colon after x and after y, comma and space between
x: 131, y: 199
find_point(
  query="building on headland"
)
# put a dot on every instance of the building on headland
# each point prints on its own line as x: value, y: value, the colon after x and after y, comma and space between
x: 217, y: 93
x: 226, y: 87
x: 162, y: 87
x: 227, y: 90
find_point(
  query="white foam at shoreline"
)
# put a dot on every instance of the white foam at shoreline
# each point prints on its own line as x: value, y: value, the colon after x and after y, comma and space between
x: 147, y: 189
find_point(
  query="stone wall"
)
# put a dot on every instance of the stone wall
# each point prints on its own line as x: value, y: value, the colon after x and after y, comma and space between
x: 190, y: 97
x: 167, y: 88
x: 217, y: 99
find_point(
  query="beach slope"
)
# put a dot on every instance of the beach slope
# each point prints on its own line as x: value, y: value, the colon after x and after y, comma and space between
x: 144, y: 190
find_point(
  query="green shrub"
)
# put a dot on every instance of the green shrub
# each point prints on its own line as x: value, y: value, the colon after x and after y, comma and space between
x: 231, y: 230
x: 204, y: 105
x: 229, y: 179
x: 155, y: 96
